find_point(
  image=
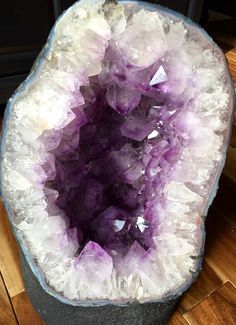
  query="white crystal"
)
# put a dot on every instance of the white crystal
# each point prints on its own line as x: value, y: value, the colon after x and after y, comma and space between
x: 159, y: 77
x: 119, y: 224
x: 139, y: 43
x: 153, y: 134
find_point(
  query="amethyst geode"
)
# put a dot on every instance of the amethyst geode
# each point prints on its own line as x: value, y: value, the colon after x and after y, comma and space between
x: 112, y: 151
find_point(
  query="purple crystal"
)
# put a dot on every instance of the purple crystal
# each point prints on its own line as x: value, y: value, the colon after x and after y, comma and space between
x: 123, y: 100
x: 136, y: 128
x: 94, y: 264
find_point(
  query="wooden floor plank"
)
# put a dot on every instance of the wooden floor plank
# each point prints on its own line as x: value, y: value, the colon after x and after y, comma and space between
x: 207, y: 282
x: 177, y: 319
x: 219, y: 308
x: 9, y: 256
x: 7, y: 316
x: 25, y: 312
x: 220, y: 245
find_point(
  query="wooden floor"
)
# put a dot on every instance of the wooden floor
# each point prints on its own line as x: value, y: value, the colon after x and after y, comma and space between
x: 211, y: 299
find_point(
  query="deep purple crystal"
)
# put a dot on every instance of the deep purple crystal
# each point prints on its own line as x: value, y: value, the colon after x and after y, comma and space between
x: 105, y: 176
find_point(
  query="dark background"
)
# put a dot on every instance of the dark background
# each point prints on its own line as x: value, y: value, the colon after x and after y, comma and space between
x: 25, y: 25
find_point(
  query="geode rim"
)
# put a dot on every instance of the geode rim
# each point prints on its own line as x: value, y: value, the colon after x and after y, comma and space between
x: 23, y: 87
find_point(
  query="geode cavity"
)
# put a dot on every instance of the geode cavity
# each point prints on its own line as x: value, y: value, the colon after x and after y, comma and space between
x: 112, y: 150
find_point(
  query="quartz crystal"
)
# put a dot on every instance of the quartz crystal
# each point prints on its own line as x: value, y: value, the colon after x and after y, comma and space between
x: 111, y: 153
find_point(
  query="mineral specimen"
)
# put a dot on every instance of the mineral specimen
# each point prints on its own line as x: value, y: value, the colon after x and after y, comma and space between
x: 112, y: 150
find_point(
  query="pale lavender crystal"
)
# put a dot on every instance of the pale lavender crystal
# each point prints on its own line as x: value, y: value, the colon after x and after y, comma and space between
x: 123, y: 100
x: 94, y: 264
x: 137, y: 128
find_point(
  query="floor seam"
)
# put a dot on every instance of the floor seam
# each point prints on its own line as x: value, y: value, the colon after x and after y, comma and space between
x: 10, y: 301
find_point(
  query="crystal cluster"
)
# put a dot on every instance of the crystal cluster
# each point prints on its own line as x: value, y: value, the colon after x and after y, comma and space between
x: 112, y: 152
